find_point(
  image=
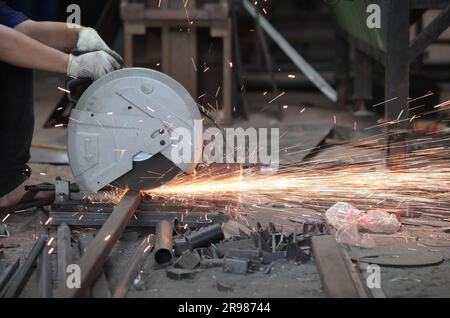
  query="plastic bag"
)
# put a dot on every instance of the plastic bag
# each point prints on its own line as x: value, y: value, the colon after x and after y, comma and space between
x: 379, y: 222
x: 342, y: 213
x: 349, y: 234
x: 349, y: 221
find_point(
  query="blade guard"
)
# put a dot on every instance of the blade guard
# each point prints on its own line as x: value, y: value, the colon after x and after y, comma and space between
x: 126, y: 113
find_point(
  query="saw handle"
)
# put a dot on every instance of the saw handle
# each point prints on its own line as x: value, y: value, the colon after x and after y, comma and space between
x: 76, y: 87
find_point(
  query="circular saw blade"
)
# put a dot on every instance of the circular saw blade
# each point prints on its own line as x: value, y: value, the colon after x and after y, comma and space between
x: 148, y: 174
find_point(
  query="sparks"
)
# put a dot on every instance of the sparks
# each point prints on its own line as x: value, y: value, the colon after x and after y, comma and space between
x: 277, y: 97
x: 50, y: 241
x: 63, y: 90
x: 6, y: 217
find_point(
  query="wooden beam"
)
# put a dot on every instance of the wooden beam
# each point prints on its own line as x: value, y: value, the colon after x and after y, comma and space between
x: 92, y: 261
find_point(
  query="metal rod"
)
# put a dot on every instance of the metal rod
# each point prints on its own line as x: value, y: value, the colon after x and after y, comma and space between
x: 44, y: 275
x: 134, y: 266
x: 64, y: 252
x: 9, y: 272
x: 298, y: 60
x: 141, y: 219
x: 430, y: 34
x: 164, y: 243
x: 100, y: 288
x: 20, y: 278
x: 92, y: 261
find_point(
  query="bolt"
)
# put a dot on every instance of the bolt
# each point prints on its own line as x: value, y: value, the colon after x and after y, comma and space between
x: 147, y: 88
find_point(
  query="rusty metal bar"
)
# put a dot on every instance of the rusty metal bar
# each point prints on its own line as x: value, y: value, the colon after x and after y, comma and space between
x: 92, y: 261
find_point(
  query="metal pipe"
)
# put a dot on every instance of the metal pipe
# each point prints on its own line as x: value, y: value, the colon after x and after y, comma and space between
x: 164, y: 243
x: 202, y: 238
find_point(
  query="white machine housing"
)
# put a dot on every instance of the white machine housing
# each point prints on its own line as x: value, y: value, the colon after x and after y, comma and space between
x: 130, y: 115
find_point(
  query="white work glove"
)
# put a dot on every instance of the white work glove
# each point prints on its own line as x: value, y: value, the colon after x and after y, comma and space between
x: 89, y: 40
x: 91, y: 65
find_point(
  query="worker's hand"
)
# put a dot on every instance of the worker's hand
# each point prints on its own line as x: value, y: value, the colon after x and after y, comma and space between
x: 89, y: 40
x: 91, y: 65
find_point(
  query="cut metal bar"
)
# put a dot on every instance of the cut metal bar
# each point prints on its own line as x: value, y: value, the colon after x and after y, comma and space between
x: 164, y: 243
x: 92, y: 261
x: 9, y: 272
x: 100, y: 289
x: 336, y: 279
x: 201, y: 238
x: 140, y: 219
x: 298, y: 60
x: 360, y: 289
x: 21, y: 276
x: 64, y: 252
x: 134, y: 266
x: 44, y: 275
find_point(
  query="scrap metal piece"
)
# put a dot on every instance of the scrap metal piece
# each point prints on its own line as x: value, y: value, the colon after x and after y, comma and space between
x: 247, y: 254
x: 179, y: 273
x: 189, y: 260
x: 164, y: 243
x: 236, y: 265
x: 273, y: 257
x: 21, y: 276
x: 211, y: 263
x: 202, y: 238
x: 93, y: 259
x: 134, y: 266
x: 294, y: 252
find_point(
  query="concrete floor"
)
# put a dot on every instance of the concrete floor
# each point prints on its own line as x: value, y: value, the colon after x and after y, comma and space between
x: 287, y: 279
